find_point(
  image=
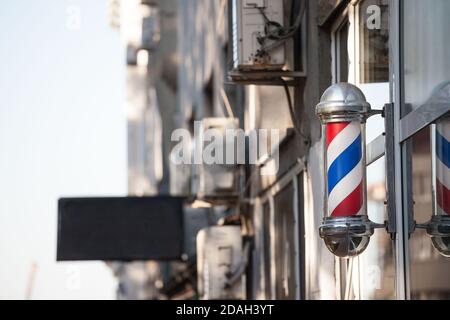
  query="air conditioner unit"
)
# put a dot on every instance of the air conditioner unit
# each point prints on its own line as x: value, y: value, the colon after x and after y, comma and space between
x: 254, y: 28
x: 219, y: 254
x: 266, y: 45
x: 217, y: 181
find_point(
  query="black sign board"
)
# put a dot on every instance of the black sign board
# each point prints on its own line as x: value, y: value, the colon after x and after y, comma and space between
x: 122, y: 229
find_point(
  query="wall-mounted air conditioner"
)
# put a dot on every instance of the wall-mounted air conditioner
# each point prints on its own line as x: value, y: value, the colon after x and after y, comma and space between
x: 265, y: 41
x: 216, y: 175
x: 253, y: 23
x: 220, y: 255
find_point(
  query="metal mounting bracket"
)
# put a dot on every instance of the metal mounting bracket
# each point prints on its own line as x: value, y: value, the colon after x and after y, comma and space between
x: 391, y: 223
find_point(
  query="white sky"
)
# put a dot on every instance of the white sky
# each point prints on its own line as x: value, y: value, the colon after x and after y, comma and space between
x: 62, y: 133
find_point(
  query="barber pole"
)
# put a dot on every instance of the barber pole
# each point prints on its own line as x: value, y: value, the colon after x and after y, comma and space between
x: 442, y: 161
x: 346, y: 228
x: 438, y: 228
x: 345, y: 170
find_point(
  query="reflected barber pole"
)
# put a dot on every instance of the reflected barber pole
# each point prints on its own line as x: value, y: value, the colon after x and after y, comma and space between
x: 442, y: 167
x: 438, y: 228
x: 345, y: 170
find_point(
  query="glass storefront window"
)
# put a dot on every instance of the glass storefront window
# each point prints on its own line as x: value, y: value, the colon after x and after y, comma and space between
x: 374, y: 41
x: 341, y: 52
x: 426, y: 47
x: 426, y: 80
x: 429, y: 271
x: 377, y: 262
x: 361, y: 57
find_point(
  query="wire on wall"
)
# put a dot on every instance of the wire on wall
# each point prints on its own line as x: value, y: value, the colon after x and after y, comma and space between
x: 294, y: 120
x: 226, y: 102
x: 275, y: 31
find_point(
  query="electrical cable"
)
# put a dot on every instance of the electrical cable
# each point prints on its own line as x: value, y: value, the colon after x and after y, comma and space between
x: 273, y: 35
x: 296, y: 129
x: 280, y: 34
x: 285, y: 37
x: 292, y: 111
x: 226, y: 102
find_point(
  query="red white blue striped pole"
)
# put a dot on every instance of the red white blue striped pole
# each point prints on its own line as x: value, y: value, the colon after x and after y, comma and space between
x: 345, y: 169
x: 346, y: 228
x: 438, y: 228
x: 442, y: 162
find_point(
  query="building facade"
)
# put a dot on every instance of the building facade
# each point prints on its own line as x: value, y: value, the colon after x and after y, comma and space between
x: 252, y: 65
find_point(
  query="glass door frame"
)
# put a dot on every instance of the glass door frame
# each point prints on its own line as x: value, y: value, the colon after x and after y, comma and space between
x: 401, y: 251
x: 406, y: 125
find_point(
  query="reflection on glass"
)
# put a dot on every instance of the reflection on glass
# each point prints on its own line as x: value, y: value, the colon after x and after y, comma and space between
x: 439, y: 227
x: 374, y: 41
x: 426, y: 48
x: 371, y: 274
x: 377, y: 262
x: 341, y: 52
x: 430, y: 272
x: 441, y: 166
x: 426, y: 83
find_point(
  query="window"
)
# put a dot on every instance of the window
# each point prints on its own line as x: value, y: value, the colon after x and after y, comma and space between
x: 426, y: 49
x: 425, y: 83
x: 360, y: 50
x: 267, y: 250
x: 286, y: 248
x: 374, y: 41
x: 340, y: 51
x: 429, y: 271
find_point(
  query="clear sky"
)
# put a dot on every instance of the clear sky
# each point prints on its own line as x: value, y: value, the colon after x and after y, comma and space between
x: 62, y: 133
